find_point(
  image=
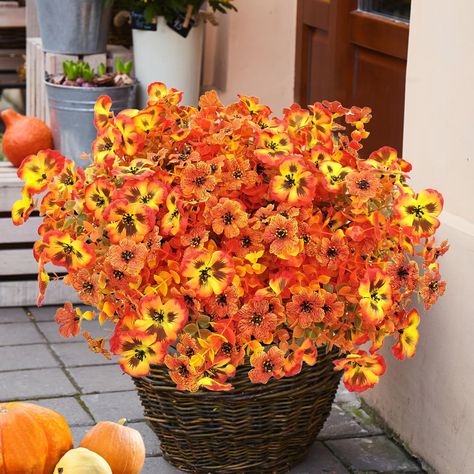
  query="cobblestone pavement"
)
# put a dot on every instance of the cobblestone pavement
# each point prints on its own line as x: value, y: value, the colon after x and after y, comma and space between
x: 37, y: 364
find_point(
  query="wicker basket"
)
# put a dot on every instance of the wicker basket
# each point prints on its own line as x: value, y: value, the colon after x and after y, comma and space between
x: 254, y: 428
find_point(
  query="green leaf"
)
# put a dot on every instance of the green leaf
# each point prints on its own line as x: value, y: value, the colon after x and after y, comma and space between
x: 128, y: 67
x: 101, y: 69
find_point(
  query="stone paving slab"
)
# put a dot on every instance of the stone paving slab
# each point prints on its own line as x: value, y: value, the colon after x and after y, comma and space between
x: 35, y: 356
x: 101, y: 378
x: 374, y: 454
x: 69, y: 407
x: 15, y: 334
x: 319, y: 460
x: 13, y: 315
x: 152, y: 443
x: 78, y: 354
x: 32, y: 384
x: 113, y: 406
x: 341, y: 425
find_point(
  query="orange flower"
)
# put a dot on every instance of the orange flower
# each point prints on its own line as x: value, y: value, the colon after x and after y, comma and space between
x: 238, y: 174
x: 128, y: 220
x: 363, y: 185
x: 128, y: 256
x: 106, y: 147
x: 361, y: 371
x: 431, y: 286
x: 198, y: 181
x: 305, y: 309
x: 403, y: 273
x: 69, y: 321
x: 87, y: 285
x: 208, y: 273
x: 228, y: 217
x: 282, y: 235
x: 182, y: 373
x: 224, y: 305
x: 266, y: 365
x: 334, y: 251
x: 174, y: 221
x: 256, y: 319
x: 97, y: 345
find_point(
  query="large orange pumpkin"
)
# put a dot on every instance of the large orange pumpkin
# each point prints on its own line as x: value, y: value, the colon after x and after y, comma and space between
x: 24, y: 135
x: 121, y: 446
x: 32, y: 438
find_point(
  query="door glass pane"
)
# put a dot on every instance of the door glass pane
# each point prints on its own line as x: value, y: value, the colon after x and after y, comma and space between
x: 396, y: 9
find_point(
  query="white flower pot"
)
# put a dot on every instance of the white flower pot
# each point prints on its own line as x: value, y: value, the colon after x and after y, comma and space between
x: 165, y: 56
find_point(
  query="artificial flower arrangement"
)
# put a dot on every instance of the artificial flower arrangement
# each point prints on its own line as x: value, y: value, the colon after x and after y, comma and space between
x: 170, y: 8
x: 223, y: 236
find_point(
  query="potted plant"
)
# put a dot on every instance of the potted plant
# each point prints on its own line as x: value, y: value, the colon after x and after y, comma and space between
x: 247, y: 261
x: 168, y: 42
x: 74, y: 26
x: 72, y: 96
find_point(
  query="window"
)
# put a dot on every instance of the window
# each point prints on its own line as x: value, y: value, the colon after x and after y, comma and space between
x: 395, y: 9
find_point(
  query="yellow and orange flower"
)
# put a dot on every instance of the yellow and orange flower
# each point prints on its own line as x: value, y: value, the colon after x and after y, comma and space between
x: 361, y: 371
x: 419, y: 212
x: 295, y: 184
x: 38, y: 170
x: 162, y: 319
x: 102, y: 114
x: 128, y: 220
x: 407, y: 337
x: 144, y: 191
x: 62, y: 249
x: 98, y: 195
x: 208, y: 273
x: 175, y: 220
x: 106, y: 147
x: 334, y: 175
x: 272, y: 148
x: 376, y: 295
x: 138, y: 351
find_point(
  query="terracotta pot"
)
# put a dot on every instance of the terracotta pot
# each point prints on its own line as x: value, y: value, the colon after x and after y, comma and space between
x: 24, y: 136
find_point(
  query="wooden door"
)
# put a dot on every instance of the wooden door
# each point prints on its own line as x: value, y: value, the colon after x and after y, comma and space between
x: 357, y: 57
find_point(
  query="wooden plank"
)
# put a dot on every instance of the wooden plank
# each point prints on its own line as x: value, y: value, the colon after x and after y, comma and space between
x: 11, y: 17
x: 381, y: 34
x: 22, y: 262
x: 25, y: 293
x: 32, y: 25
x: 11, y: 234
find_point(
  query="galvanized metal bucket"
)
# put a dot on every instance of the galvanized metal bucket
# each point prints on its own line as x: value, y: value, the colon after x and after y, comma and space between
x: 74, y: 26
x: 72, y: 115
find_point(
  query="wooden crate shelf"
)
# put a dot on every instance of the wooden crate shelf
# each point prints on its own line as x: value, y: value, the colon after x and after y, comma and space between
x: 18, y: 268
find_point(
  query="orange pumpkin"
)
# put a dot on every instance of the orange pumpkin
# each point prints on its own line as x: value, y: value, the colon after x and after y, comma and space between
x: 32, y: 438
x: 24, y: 136
x: 121, y: 446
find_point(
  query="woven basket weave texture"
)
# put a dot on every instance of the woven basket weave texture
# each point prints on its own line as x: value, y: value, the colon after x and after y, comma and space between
x: 254, y: 428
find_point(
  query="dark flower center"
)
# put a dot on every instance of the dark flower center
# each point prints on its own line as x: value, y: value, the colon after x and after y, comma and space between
x: 246, y: 242
x: 306, y: 307
x: 402, y: 273
x: 226, y: 348
x: 289, y: 181
x: 118, y: 275
x: 221, y: 300
x: 127, y: 219
x: 267, y: 367
x: 204, y: 275
x: 228, y: 218
x: 158, y: 316
x: 237, y: 174
x: 88, y: 287
x: 433, y: 286
x: 281, y: 233
x: 183, y: 371
x: 196, y: 241
x: 140, y: 354
x: 127, y: 255
x: 363, y: 184
x: 256, y: 319
x: 332, y: 252
x: 200, y: 180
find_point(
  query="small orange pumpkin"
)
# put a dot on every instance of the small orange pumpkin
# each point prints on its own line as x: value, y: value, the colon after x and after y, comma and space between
x: 24, y: 135
x: 121, y: 446
x: 32, y: 438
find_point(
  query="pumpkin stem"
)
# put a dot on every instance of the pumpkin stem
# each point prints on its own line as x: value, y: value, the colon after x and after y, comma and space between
x: 9, y: 116
x: 122, y: 421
